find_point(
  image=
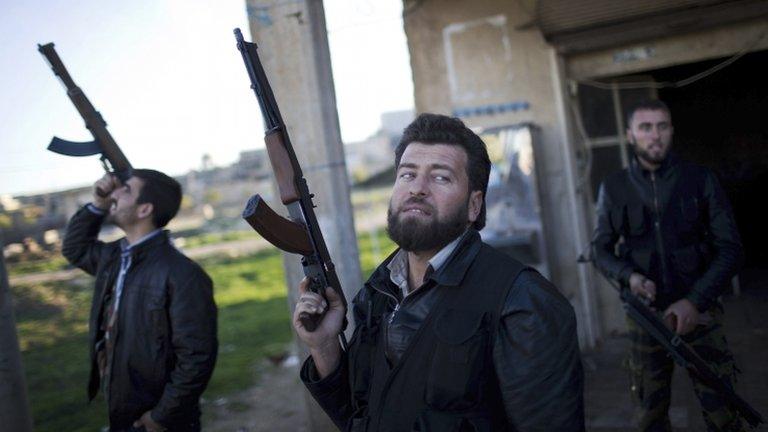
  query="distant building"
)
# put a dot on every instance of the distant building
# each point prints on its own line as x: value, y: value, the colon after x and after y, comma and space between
x: 375, y: 154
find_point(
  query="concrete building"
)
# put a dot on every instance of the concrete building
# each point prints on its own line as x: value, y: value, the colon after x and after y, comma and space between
x: 376, y: 153
x: 570, y: 69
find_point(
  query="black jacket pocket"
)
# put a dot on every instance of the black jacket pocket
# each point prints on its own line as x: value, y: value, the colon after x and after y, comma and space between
x: 455, y: 375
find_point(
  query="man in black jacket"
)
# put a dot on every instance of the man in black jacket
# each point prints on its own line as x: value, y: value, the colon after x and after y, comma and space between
x: 450, y: 335
x: 153, y: 319
x: 678, y: 246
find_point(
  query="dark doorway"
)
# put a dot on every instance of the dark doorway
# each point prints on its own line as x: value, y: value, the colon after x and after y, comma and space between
x: 721, y: 122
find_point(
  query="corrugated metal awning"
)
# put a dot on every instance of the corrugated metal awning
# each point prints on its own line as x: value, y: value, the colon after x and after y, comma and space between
x: 574, y: 26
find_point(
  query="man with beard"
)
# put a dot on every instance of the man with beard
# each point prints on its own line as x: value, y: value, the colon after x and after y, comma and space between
x: 450, y: 334
x: 678, y: 247
x: 153, y: 319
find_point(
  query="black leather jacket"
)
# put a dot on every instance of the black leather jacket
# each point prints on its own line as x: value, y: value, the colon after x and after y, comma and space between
x: 165, y: 342
x: 674, y: 226
x: 535, y: 348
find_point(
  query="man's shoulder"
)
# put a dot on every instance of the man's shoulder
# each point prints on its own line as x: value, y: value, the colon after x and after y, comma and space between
x: 178, y: 264
x: 497, y: 262
x: 494, y: 268
x: 616, y: 180
x: 532, y: 283
x: 534, y: 293
x: 689, y: 168
x: 528, y: 286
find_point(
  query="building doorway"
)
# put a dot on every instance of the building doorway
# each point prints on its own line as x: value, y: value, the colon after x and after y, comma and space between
x: 720, y: 122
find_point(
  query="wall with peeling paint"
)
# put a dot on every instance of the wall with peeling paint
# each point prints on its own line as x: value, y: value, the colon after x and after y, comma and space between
x: 485, y: 62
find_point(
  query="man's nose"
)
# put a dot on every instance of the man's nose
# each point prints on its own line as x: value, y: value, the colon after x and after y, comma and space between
x: 116, y: 191
x: 419, y: 186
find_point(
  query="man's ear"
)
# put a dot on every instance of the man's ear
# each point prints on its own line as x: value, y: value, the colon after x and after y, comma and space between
x: 474, y: 205
x: 145, y: 210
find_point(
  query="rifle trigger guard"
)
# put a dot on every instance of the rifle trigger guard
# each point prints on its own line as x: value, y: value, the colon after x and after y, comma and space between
x: 676, y: 341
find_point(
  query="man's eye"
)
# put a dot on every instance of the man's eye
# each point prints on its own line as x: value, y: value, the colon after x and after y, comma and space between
x: 442, y: 179
x: 406, y: 175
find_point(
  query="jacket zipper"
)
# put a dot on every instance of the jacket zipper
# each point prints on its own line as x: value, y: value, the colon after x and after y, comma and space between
x: 657, y: 230
x: 396, y: 367
x: 397, y: 303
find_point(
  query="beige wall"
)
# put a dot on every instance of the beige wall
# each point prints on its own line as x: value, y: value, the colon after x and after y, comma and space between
x: 468, y: 54
x: 486, y: 52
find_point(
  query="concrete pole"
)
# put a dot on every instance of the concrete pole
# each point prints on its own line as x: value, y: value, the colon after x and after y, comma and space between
x: 14, y: 405
x: 293, y: 47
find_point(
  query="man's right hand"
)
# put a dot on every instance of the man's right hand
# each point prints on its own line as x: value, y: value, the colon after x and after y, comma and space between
x: 642, y: 286
x: 102, y: 190
x: 323, y: 343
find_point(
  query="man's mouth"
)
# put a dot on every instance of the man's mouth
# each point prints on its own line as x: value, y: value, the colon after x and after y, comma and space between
x: 416, y: 210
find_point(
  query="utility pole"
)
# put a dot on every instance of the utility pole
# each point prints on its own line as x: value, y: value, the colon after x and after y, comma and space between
x: 14, y: 405
x: 293, y: 47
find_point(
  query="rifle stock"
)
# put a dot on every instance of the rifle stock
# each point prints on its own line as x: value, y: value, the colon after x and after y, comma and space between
x: 103, y: 142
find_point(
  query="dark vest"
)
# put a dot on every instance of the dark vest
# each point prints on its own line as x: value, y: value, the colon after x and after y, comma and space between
x: 679, y: 254
x: 445, y: 380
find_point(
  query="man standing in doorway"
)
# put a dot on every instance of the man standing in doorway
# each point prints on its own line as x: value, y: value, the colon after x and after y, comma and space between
x: 451, y: 334
x: 666, y: 230
x: 153, y: 319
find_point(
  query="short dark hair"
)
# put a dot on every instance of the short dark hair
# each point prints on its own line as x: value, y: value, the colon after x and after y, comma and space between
x: 647, y: 104
x: 160, y: 190
x: 440, y: 129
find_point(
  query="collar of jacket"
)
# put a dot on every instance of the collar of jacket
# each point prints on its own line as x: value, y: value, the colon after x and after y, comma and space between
x: 451, y: 273
x: 139, y: 251
x: 666, y: 168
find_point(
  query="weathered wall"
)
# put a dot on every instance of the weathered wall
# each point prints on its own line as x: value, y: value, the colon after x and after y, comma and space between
x: 722, y: 41
x: 466, y: 55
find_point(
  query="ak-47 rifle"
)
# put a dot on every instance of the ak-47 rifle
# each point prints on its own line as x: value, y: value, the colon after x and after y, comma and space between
x: 102, y: 143
x: 302, y: 234
x: 682, y: 353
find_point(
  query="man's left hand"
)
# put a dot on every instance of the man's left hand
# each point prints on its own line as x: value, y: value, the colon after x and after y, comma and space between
x: 682, y: 316
x: 149, y: 424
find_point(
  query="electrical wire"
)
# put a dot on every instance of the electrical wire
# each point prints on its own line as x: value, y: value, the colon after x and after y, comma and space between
x: 675, y: 84
x: 584, y: 171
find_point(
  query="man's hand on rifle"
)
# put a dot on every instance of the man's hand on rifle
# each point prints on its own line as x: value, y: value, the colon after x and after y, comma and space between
x: 323, y: 343
x: 148, y: 423
x: 642, y: 286
x: 682, y: 316
x: 102, y: 190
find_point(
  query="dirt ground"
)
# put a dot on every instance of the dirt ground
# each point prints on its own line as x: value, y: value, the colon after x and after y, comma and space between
x: 275, y: 403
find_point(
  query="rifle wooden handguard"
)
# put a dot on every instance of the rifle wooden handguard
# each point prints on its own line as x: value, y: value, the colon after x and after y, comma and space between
x: 281, y: 166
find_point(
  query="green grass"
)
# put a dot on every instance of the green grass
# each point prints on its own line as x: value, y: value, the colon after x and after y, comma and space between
x: 37, y: 266
x: 254, y: 322
x: 218, y: 237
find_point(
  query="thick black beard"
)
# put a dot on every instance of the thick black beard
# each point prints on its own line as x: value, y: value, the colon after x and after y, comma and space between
x: 642, y: 154
x: 648, y: 158
x: 416, y: 236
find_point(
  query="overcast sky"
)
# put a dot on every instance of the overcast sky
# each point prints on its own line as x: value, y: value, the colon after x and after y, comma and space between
x: 166, y: 76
